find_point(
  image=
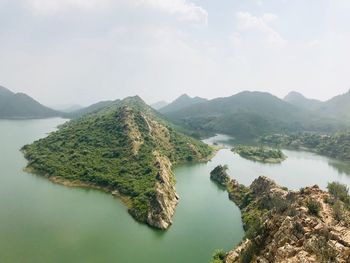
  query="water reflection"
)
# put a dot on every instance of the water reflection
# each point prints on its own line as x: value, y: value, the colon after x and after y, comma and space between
x: 341, y: 167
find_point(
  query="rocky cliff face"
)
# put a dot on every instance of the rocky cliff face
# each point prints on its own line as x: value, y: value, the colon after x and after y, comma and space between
x: 290, y: 226
x: 165, y: 199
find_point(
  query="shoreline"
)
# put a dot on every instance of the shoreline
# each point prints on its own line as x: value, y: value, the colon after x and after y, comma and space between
x: 126, y: 200
x: 79, y: 184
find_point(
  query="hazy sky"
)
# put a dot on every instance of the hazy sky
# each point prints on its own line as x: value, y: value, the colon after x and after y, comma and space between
x: 83, y: 51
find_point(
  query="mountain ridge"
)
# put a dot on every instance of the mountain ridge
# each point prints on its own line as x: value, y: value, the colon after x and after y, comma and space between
x: 21, y: 106
x: 247, y: 115
x: 159, y: 104
x: 181, y: 102
x: 299, y: 100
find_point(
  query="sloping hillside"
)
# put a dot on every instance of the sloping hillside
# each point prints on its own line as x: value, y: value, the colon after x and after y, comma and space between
x: 90, y: 109
x: 21, y: 106
x: 337, y: 107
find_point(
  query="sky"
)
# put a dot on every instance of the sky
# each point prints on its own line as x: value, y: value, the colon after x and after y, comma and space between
x: 64, y: 52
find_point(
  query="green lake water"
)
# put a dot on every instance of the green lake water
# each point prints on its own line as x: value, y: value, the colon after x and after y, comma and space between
x: 44, y: 222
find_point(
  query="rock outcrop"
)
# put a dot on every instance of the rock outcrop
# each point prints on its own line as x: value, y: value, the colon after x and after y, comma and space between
x: 289, y: 226
x: 220, y: 176
x: 165, y: 199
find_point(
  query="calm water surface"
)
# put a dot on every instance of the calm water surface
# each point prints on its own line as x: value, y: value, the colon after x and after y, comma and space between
x: 44, y: 222
x: 298, y: 170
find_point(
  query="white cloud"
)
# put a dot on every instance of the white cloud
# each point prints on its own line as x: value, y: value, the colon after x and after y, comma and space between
x: 269, y: 17
x: 50, y: 7
x: 184, y: 9
x: 236, y: 39
x: 314, y: 43
x: 247, y: 21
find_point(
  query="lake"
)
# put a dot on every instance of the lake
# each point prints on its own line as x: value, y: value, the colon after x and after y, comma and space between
x: 44, y: 222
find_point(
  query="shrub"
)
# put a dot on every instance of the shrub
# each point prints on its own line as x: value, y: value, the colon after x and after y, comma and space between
x: 324, y: 251
x: 218, y: 256
x: 248, y: 255
x: 298, y: 229
x: 338, y: 211
x: 314, y: 207
x: 339, y: 191
x: 276, y: 202
x: 253, y: 225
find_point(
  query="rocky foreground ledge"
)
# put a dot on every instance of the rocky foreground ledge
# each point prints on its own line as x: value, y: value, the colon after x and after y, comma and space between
x: 309, y: 225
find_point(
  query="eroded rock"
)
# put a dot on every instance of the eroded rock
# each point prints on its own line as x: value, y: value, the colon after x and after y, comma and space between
x: 282, y: 229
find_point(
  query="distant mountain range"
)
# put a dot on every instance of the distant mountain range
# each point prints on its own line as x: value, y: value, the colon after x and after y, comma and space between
x: 251, y: 114
x: 244, y: 115
x: 299, y: 100
x: 21, y: 106
x: 180, y: 103
x: 337, y: 107
x: 158, y: 105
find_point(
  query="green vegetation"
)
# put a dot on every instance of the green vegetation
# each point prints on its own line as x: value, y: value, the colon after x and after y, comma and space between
x: 314, y: 207
x: 120, y: 147
x: 325, y: 252
x: 335, y: 146
x: 339, y: 191
x: 220, y: 176
x: 90, y: 109
x: 218, y: 256
x: 260, y: 154
x: 339, y: 201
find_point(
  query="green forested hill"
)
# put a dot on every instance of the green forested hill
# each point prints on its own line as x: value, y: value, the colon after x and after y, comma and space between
x: 337, y: 107
x: 125, y: 147
x: 21, y: 106
x: 249, y: 114
x: 90, y: 109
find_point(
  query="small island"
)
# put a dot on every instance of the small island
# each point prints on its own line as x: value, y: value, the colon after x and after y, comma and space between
x: 260, y: 154
x: 219, y: 175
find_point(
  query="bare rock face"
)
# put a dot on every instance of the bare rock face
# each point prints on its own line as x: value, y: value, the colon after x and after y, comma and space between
x: 283, y: 227
x: 262, y: 185
x: 165, y: 199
